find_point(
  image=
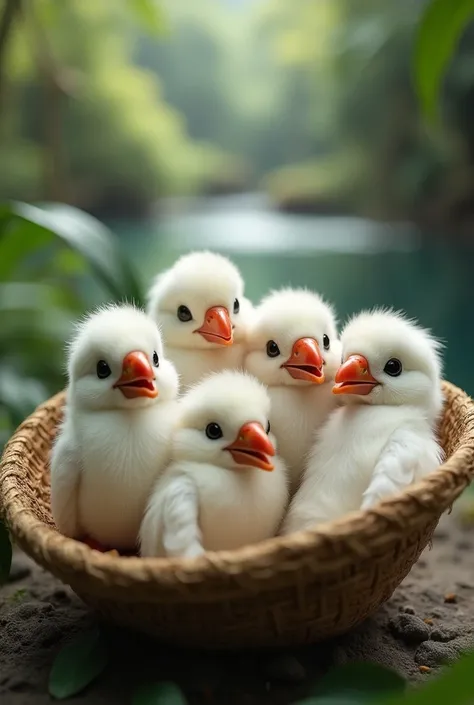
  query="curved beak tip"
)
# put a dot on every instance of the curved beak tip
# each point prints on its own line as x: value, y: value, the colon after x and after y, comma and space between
x: 217, y: 326
x: 306, y: 362
x: 354, y: 377
x: 252, y: 447
x: 137, y: 378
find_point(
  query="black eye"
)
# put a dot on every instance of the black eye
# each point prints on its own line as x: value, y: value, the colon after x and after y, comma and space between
x: 184, y: 314
x: 272, y: 349
x: 214, y: 431
x: 326, y: 342
x: 236, y: 306
x: 393, y: 367
x: 103, y: 370
x: 156, y: 360
x: 268, y: 427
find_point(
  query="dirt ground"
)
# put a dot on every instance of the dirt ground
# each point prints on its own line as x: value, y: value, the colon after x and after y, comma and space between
x: 38, y: 615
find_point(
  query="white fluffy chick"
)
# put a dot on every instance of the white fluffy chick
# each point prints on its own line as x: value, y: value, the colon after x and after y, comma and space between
x: 383, y: 438
x: 225, y: 487
x: 293, y: 349
x: 200, y: 306
x: 116, y: 436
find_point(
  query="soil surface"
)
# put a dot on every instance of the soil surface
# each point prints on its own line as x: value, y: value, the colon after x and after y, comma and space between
x: 427, y: 622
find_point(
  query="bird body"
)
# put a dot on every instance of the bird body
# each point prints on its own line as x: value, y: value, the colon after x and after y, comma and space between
x: 292, y: 347
x: 218, y: 493
x: 230, y: 511
x: 193, y: 365
x: 296, y: 414
x: 383, y: 438
x: 116, y: 435
x: 353, y: 444
x: 120, y: 454
x: 200, y: 306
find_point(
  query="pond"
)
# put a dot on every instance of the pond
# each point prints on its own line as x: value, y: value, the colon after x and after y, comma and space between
x: 354, y: 263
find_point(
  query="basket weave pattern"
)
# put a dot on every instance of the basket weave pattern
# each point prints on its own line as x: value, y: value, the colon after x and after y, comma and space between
x: 292, y: 590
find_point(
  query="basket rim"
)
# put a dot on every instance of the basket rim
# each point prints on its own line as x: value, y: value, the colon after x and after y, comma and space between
x: 358, y: 534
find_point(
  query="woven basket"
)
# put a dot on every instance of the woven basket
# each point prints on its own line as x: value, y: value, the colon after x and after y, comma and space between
x: 284, y: 591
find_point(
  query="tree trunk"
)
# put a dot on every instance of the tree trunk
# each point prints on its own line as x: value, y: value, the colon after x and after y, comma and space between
x: 6, y: 24
x: 55, y: 187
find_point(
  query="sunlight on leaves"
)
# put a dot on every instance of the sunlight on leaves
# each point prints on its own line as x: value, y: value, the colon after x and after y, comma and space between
x: 5, y: 554
x: 149, y: 14
x: 78, y: 664
x: 439, y: 32
x: 159, y: 694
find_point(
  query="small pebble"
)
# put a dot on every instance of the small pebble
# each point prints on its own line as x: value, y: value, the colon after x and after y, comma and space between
x: 444, y: 634
x: 464, y: 545
x: 450, y: 598
x: 407, y: 609
x: 424, y: 669
x: 27, y: 610
x: 409, y: 628
x: 428, y: 621
x: 437, y: 613
x: 433, y: 653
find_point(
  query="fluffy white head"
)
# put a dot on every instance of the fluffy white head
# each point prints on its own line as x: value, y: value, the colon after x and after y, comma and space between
x: 229, y: 400
x: 180, y: 298
x: 402, y: 357
x: 97, y: 357
x: 281, y: 320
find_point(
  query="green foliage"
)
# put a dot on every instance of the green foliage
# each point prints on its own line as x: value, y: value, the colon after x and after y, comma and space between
x: 84, y: 234
x: 326, y: 184
x: 44, y: 254
x: 121, y: 145
x: 360, y: 681
x: 159, y: 694
x: 438, y: 35
x: 78, y: 664
x: 150, y: 15
x: 455, y: 686
x: 5, y: 554
x: 370, y: 684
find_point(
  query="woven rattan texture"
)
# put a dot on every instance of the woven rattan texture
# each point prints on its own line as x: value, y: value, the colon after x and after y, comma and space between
x: 291, y: 590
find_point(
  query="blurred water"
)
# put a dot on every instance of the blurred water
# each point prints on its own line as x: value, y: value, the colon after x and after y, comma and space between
x: 354, y: 263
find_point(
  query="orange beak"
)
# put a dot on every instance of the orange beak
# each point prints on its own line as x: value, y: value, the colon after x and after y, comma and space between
x: 306, y: 362
x: 354, y: 377
x: 137, y: 378
x: 252, y: 446
x: 217, y: 326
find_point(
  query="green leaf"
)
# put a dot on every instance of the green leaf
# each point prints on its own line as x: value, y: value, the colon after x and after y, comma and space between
x: 78, y: 664
x: 5, y: 554
x: 86, y: 235
x: 438, y: 34
x: 159, y: 694
x: 454, y: 687
x: 149, y: 15
x: 358, y: 682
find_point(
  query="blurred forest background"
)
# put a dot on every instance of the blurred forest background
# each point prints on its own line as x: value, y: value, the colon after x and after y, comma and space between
x: 311, y: 102
x: 285, y: 133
